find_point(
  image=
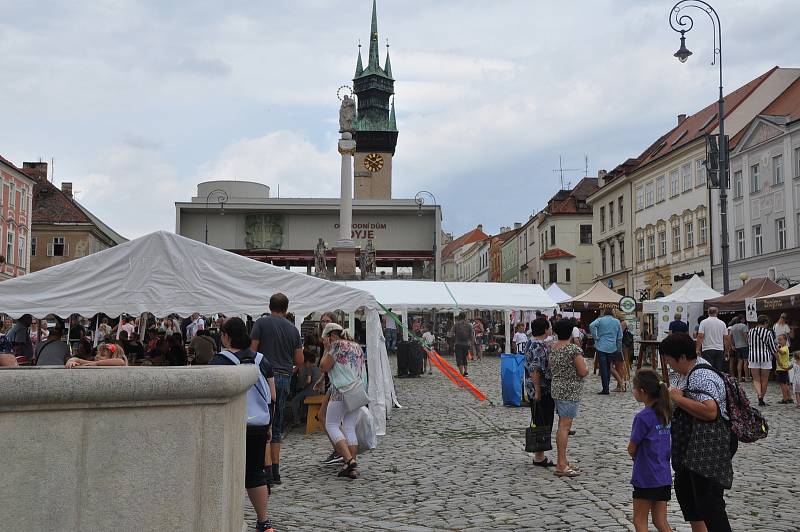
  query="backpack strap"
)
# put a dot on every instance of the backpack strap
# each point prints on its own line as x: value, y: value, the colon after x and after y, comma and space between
x: 230, y: 356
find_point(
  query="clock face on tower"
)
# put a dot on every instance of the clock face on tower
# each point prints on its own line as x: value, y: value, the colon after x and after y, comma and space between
x: 373, y: 162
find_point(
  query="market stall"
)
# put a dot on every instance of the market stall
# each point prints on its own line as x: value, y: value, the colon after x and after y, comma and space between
x: 163, y: 273
x: 736, y: 300
x: 686, y: 301
x: 785, y: 300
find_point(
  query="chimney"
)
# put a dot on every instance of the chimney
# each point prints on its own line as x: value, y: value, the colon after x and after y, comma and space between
x: 37, y: 171
x: 66, y: 188
x: 517, y: 225
x: 480, y: 227
x: 681, y: 118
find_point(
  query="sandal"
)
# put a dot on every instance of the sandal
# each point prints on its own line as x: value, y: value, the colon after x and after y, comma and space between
x: 544, y: 463
x: 566, y: 473
x: 349, y: 470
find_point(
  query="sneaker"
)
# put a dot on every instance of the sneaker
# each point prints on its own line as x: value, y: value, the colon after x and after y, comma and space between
x: 333, y: 458
x: 276, y: 480
x: 264, y: 526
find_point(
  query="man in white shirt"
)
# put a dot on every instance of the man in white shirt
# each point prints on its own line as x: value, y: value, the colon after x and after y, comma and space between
x: 712, y: 339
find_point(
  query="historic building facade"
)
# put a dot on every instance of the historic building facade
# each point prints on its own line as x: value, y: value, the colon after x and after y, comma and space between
x: 16, y: 193
x: 672, y: 222
x: 565, y: 238
x: 764, y: 197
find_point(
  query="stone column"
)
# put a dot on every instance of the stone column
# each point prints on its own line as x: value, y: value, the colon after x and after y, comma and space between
x: 345, y: 247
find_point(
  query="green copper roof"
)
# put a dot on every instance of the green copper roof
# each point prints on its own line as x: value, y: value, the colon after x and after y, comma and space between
x: 392, y: 119
x: 359, y: 64
x: 374, y: 64
x: 388, y: 68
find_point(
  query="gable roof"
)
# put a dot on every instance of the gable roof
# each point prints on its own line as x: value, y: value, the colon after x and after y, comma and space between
x: 572, y: 201
x: 782, y: 111
x: 467, y: 238
x: 702, y: 122
x: 51, y: 205
x: 556, y: 253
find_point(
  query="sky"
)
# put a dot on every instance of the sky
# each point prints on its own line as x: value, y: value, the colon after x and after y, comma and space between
x: 138, y: 101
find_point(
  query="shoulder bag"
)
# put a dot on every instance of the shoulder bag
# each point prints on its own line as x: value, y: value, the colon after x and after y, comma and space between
x: 537, y: 437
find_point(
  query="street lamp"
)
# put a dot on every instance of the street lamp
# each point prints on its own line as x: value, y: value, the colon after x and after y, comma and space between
x: 221, y: 197
x: 682, y: 23
x: 420, y: 201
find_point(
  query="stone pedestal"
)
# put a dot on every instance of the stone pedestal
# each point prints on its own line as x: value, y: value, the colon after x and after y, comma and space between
x: 345, y: 262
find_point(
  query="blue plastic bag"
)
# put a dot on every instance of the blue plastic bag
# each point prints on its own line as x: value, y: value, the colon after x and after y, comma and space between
x: 512, y: 376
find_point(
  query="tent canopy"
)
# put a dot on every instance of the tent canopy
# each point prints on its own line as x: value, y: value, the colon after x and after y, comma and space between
x: 398, y: 294
x: 598, y: 297
x: 557, y: 294
x: 735, y: 301
x: 785, y: 300
x: 694, y: 291
x: 164, y: 273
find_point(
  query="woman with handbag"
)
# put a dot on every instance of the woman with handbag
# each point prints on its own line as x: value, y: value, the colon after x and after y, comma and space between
x: 537, y: 382
x: 702, y: 442
x: 344, y: 364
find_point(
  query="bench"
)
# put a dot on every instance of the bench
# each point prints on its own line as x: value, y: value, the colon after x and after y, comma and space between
x: 314, y: 402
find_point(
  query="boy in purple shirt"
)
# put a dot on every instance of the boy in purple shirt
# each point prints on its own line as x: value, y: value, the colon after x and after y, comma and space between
x: 650, y: 447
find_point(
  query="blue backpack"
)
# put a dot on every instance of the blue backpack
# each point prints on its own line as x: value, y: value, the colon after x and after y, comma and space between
x: 258, y: 396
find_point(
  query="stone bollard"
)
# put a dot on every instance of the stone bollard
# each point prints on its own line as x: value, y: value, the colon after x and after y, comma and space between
x: 91, y: 449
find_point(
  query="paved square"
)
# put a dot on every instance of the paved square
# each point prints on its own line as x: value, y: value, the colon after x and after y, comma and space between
x: 450, y: 462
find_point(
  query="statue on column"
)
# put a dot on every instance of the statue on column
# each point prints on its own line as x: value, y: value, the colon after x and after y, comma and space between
x: 368, y: 261
x: 320, y: 265
x: 347, y: 115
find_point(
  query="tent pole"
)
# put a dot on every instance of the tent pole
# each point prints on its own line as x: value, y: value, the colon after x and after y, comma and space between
x: 351, y: 323
x: 404, y: 311
x: 508, y: 331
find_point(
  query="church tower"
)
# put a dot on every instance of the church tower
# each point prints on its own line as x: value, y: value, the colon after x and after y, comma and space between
x: 376, y: 127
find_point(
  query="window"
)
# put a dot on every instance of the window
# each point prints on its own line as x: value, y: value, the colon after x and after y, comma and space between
x: 661, y: 190
x: 662, y: 243
x: 689, y: 226
x: 602, y: 219
x: 738, y: 190
x: 648, y: 195
x: 611, y: 214
x: 553, y: 273
x: 758, y: 244
x: 622, y: 254
x: 673, y: 183
x: 651, y: 246
x: 33, y: 246
x: 603, y: 259
x: 686, y: 174
x: 21, y: 251
x: 755, y: 183
x: 797, y: 162
x: 9, y: 245
x: 676, y: 239
x: 640, y: 242
x: 552, y: 235
x: 699, y: 172
x: 613, y: 256
x: 639, y: 198
x: 777, y: 169
x: 586, y: 234
x: 57, y: 247
x: 701, y: 222
x: 621, y: 210
x: 12, y: 192
x: 780, y: 230
x: 567, y: 275
x: 740, y: 243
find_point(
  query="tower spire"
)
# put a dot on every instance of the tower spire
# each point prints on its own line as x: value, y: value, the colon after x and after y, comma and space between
x: 392, y: 119
x: 374, y: 59
x: 359, y: 64
x: 388, y: 68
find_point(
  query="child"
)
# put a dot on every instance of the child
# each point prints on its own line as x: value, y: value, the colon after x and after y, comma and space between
x: 650, y: 448
x: 107, y: 355
x: 520, y: 338
x: 430, y: 339
x: 796, y: 378
x: 782, y: 367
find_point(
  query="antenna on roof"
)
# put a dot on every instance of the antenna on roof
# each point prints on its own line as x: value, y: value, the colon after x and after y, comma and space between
x: 561, y: 171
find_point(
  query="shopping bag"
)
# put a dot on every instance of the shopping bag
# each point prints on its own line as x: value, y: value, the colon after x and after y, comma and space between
x: 365, y: 431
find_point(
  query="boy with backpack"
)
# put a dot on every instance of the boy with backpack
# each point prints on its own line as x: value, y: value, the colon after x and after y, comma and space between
x: 236, y: 342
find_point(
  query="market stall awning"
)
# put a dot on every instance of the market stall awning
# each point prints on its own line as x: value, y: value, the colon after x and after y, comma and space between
x: 598, y: 297
x: 788, y: 299
x: 397, y: 294
x: 735, y: 301
x: 695, y: 290
x: 557, y: 294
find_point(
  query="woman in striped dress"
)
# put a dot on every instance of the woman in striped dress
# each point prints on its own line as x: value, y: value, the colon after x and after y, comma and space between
x: 762, y: 352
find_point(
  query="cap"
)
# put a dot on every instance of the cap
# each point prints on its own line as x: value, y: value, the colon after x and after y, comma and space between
x: 329, y: 328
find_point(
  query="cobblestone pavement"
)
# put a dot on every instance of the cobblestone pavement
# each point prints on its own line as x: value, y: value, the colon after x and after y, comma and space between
x: 450, y: 462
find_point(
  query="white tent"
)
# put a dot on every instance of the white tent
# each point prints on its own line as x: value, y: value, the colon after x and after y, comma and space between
x: 402, y: 296
x: 557, y: 294
x: 686, y: 301
x: 163, y: 273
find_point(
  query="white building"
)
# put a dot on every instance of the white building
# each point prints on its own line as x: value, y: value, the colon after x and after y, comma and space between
x: 475, y: 262
x: 671, y: 223
x: 764, y: 197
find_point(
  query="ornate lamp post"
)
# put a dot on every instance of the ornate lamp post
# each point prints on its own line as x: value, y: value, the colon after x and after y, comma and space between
x: 682, y: 23
x: 221, y: 197
x: 419, y: 199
